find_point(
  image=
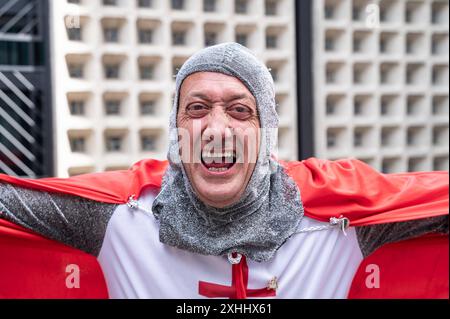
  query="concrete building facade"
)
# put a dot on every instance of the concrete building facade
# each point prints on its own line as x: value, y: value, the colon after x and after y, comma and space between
x: 381, y: 76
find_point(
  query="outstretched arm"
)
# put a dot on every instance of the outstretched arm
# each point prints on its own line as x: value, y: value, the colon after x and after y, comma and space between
x: 384, y: 207
x: 72, y: 220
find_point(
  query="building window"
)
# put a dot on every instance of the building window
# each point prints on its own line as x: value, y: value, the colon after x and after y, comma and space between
x: 330, y: 76
x: 330, y: 107
x: 145, y: 3
x: 175, y: 69
x: 242, y: 39
x: 436, y: 106
x: 357, y: 14
x: 77, y: 107
x: 410, y: 137
x: 74, y: 34
x: 112, y: 71
x: 145, y: 36
x: 383, y: 45
x: 408, y: 15
x: 177, y: 4
x: 111, y: 35
x: 112, y: 107
x: 440, y: 164
x: 384, y: 76
x: 179, y: 38
x: 409, y: 46
x: 271, y: 7
x: 410, y: 107
x: 386, y: 167
x: 329, y: 11
x: 114, y: 143
x: 384, y: 107
x: 209, y: 5
x: 78, y: 144
x: 358, y: 107
x: 271, y: 41
x: 435, y: 76
x: 436, y: 137
x: 329, y: 44
x: 434, y: 46
x: 210, y: 38
x: 275, y: 74
x: 147, y: 72
x: 358, y: 139
x: 76, y: 71
x: 109, y: 2
x: 241, y: 6
x: 331, y: 140
x: 148, y: 108
x: 148, y: 143
x: 357, y: 45
x: 357, y: 76
x: 409, y: 76
x: 385, y: 138
x: 439, y: 105
x: 383, y: 14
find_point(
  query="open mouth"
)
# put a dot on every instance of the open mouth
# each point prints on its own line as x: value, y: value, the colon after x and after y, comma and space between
x: 218, y: 161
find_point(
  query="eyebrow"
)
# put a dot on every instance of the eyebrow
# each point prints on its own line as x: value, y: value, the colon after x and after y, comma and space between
x: 238, y: 96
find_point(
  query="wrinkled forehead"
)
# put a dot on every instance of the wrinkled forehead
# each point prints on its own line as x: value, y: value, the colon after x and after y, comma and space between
x: 214, y: 87
x: 233, y: 60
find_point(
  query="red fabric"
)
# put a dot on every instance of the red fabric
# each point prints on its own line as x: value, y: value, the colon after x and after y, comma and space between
x: 34, y: 267
x: 238, y: 288
x: 111, y: 187
x: 420, y: 271
x: 354, y: 190
x: 328, y: 189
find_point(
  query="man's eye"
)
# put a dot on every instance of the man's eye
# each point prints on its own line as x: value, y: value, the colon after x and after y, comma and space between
x: 196, y: 107
x: 240, y: 112
x: 197, y: 110
x: 240, y: 109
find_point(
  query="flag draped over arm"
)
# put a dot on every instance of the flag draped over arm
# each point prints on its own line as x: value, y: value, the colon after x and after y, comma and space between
x: 34, y: 267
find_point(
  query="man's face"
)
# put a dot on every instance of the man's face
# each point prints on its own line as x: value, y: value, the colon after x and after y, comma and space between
x: 219, y: 150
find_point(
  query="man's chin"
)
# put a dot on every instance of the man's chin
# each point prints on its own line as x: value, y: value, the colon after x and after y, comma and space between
x: 218, y: 198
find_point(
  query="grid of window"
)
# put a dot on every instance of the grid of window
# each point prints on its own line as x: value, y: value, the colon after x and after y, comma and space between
x: 392, y: 73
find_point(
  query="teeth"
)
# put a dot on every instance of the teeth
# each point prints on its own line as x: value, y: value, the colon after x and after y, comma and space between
x: 217, y: 155
x: 212, y: 169
x: 209, y: 157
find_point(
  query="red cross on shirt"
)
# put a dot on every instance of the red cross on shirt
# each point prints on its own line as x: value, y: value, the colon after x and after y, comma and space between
x: 238, y: 288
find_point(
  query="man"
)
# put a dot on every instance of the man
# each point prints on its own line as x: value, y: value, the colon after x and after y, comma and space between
x: 229, y: 220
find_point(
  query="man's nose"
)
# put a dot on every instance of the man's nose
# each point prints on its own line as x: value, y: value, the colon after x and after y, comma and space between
x: 218, y: 124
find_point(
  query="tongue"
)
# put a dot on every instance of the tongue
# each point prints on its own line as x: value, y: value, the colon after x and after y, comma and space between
x: 218, y: 165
